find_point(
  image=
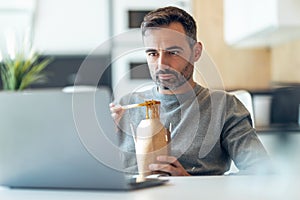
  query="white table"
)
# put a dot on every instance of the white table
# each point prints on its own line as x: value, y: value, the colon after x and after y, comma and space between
x: 183, y: 188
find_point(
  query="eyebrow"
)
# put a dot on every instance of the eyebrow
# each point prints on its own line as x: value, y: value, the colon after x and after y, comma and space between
x: 174, y: 47
x: 150, y: 50
x: 167, y: 49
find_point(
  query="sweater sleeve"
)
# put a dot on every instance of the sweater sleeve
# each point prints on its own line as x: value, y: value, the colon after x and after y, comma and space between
x: 240, y: 140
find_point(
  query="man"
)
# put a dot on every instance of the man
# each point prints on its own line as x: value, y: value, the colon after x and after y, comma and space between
x: 209, y: 128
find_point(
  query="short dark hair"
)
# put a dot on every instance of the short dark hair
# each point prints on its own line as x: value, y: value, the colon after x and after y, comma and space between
x: 167, y: 15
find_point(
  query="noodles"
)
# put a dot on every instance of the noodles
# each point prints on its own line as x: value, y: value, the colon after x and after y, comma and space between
x: 152, y: 107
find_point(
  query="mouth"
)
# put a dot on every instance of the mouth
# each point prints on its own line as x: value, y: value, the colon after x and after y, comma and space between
x: 166, y: 76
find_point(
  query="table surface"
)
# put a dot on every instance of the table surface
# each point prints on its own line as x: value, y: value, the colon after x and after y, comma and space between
x: 201, y: 187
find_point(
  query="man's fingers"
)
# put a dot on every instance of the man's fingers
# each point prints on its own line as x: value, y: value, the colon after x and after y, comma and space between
x: 162, y: 167
x: 114, y: 108
x: 114, y: 115
x: 116, y: 112
x: 170, y: 160
x: 170, y: 165
x: 111, y: 104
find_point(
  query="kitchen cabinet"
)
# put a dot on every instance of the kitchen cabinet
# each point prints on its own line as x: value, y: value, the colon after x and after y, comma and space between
x: 261, y: 23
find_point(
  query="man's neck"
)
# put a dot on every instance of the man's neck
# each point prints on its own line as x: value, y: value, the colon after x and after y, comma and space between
x: 180, y: 90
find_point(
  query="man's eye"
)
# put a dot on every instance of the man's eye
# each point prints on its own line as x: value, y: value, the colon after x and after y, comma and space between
x: 174, y: 52
x: 152, y: 54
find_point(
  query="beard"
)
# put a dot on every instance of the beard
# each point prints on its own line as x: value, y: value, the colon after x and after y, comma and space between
x: 176, y: 79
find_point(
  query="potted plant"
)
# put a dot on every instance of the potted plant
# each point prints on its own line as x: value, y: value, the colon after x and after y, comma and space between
x: 19, y: 72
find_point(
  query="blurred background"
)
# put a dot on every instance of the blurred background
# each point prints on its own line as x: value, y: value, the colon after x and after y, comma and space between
x: 254, y: 44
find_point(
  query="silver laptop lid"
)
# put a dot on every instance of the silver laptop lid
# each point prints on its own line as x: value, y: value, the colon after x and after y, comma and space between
x: 53, y: 139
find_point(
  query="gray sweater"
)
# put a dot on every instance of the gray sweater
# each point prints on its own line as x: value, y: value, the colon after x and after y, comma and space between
x: 209, y: 129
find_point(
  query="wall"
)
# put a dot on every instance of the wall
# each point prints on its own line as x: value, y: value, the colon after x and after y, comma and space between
x: 238, y: 68
x: 71, y: 27
x: 285, y: 60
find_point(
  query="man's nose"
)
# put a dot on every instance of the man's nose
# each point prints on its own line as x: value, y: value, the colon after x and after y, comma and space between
x: 163, y: 61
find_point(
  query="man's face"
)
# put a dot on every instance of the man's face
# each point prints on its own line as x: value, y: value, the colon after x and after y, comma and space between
x: 169, y: 56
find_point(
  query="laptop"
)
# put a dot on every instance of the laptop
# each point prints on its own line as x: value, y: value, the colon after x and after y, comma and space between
x: 55, y: 139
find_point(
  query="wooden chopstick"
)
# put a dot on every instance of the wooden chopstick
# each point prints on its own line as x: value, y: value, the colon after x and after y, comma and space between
x: 130, y: 106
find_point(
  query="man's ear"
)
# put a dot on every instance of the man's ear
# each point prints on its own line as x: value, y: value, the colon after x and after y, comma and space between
x: 197, y: 51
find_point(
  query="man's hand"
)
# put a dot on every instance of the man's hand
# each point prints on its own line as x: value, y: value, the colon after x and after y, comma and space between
x: 116, y: 112
x: 170, y: 165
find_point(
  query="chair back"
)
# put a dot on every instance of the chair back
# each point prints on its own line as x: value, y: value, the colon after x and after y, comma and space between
x: 246, y: 99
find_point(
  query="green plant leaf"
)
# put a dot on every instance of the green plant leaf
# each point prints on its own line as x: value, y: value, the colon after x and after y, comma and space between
x: 19, y: 73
